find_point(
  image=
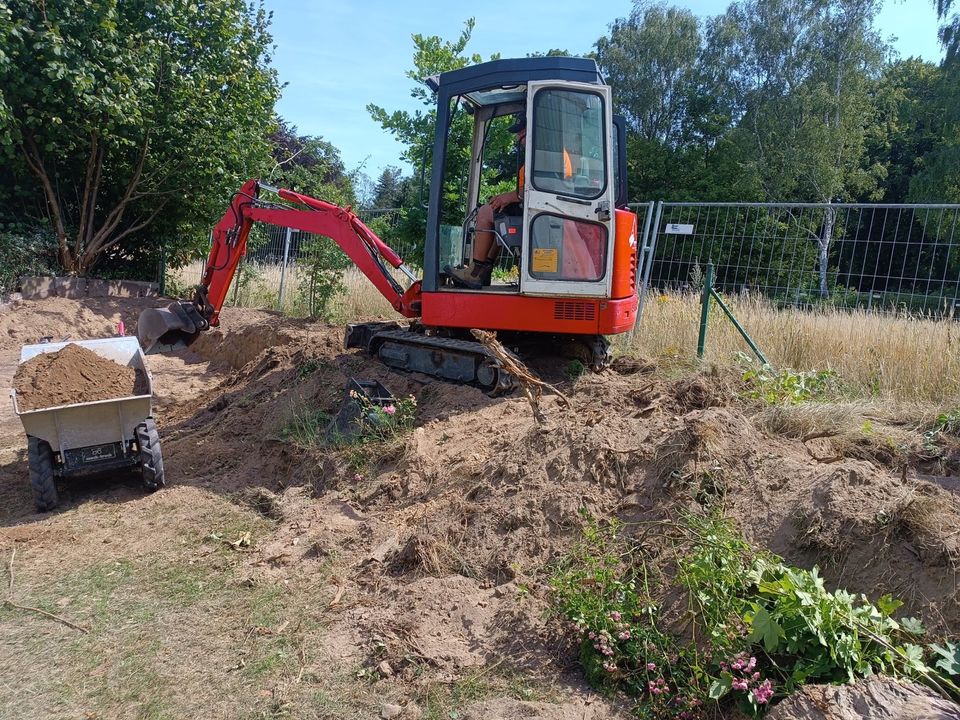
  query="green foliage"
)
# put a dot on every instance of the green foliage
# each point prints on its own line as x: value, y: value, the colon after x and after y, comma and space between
x: 947, y: 423
x: 776, y: 387
x: 762, y: 627
x: 320, y: 269
x: 128, y: 123
x: 383, y: 422
x: 623, y: 646
x: 306, y: 427
x: 415, y: 130
x: 25, y: 251
x: 309, y: 165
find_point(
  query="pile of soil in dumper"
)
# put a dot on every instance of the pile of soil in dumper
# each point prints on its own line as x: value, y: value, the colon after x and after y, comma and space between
x: 73, y: 374
x: 441, y: 540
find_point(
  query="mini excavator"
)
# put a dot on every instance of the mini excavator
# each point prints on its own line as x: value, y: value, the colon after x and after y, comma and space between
x: 572, y: 238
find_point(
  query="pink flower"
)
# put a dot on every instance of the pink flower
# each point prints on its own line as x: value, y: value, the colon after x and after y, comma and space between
x: 358, y: 477
x: 762, y: 694
x: 651, y: 666
x: 390, y: 409
x: 615, y: 616
x: 625, y: 635
x: 592, y: 635
x: 739, y: 684
x: 751, y: 665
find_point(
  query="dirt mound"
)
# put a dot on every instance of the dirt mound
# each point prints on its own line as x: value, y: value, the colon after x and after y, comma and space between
x: 74, y: 374
x: 432, y: 553
x: 62, y: 319
x: 482, y: 490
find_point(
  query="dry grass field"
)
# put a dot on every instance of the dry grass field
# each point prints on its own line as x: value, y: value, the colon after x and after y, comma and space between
x: 877, y: 356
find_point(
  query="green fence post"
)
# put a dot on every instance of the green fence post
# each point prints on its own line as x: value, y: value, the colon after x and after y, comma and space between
x: 743, y: 333
x: 705, y: 310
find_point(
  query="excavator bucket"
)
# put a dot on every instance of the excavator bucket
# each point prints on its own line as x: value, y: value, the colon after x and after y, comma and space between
x: 171, y: 328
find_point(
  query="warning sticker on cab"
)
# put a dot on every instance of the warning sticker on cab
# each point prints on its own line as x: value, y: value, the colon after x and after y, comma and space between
x: 545, y: 260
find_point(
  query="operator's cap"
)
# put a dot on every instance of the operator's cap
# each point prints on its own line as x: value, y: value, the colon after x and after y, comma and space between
x: 519, y: 124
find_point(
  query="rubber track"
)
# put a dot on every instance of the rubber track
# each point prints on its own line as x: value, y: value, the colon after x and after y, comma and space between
x: 467, y: 347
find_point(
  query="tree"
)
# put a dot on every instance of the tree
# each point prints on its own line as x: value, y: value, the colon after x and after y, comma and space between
x: 415, y: 130
x: 949, y: 31
x: 650, y: 58
x: 310, y: 165
x: 127, y: 121
x: 388, y: 189
x: 806, y: 71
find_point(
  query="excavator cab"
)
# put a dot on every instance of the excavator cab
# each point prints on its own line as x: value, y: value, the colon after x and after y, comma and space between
x: 570, y: 256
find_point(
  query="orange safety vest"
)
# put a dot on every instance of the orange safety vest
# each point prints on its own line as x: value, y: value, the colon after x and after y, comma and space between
x: 567, y: 172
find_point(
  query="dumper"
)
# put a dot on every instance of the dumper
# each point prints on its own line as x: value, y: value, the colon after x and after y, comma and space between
x: 65, y: 441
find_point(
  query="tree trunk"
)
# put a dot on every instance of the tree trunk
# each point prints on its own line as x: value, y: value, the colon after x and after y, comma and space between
x: 829, y: 219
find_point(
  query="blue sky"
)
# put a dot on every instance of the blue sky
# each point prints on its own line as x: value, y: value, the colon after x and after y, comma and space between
x: 337, y: 57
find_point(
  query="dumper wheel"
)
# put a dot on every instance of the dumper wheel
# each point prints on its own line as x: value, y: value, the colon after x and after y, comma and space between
x: 151, y: 461
x: 40, y: 460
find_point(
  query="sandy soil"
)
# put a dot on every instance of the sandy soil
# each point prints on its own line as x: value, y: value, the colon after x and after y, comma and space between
x: 431, y: 554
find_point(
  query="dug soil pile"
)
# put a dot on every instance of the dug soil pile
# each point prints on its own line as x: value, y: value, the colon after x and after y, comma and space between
x: 71, y: 375
x: 421, y: 565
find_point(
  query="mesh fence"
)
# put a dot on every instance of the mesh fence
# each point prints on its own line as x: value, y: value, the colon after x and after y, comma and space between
x: 890, y: 258
x: 284, y: 269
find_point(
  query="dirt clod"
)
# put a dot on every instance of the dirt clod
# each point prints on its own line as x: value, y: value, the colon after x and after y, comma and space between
x: 74, y: 374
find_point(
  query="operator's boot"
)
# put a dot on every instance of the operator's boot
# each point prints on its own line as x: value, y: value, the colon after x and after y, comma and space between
x: 473, y: 276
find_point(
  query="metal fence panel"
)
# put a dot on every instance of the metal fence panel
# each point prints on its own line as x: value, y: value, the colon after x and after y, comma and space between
x: 891, y: 258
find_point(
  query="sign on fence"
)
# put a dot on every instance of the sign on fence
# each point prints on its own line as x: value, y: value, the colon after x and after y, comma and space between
x: 679, y: 229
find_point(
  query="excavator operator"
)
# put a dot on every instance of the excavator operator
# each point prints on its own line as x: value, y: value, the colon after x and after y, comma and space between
x: 477, y: 273
x: 485, y: 249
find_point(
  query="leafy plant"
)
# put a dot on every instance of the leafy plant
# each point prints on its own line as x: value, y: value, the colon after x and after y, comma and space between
x: 306, y: 427
x: 382, y: 422
x: 759, y: 627
x: 785, y: 386
x: 323, y: 264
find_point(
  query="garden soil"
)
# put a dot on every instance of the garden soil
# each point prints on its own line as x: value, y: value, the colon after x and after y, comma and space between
x: 437, y: 547
x: 73, y: 374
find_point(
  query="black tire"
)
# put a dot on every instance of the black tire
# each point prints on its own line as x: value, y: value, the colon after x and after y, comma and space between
x: 151, y: 460
x: 42, y: 481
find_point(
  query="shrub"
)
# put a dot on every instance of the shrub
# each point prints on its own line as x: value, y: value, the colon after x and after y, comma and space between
x: 25, y: 251
x: 755, y: 627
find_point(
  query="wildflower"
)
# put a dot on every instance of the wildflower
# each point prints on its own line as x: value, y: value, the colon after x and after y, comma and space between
x: 358, y: 477
x: 763, y: 693
x: 651, y: 666
x: 755, y: 676
x: 739, y: 684
x: 592, y: 635
x: 625, y: 635
x: 390, y: 409
x: 615, y: 616
x: 751, y: 665
x: 610, y: 667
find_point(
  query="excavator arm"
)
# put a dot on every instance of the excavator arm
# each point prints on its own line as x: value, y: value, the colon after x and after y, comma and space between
x: 180, y: 323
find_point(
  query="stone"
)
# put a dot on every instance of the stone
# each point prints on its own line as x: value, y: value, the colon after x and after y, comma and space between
x: 385, y: 668
x: 390, y: 710
x: 873, y: 698
x: 37, y: 288
x: 70, y: 287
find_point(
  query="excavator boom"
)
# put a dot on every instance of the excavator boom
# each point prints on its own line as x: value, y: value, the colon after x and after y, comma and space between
x: 180, y: 323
